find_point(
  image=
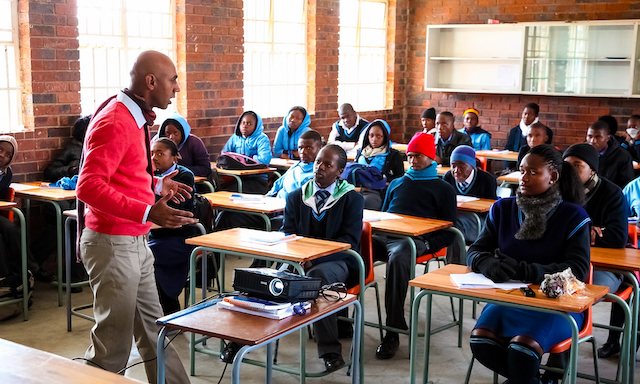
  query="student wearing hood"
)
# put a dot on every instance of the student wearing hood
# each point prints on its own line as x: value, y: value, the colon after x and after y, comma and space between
x: 480, y: 138
x: 518, y: 135
x: 249, y: 139
x: 293, y: 125
x: 193, y: 152
x: 377, y: 152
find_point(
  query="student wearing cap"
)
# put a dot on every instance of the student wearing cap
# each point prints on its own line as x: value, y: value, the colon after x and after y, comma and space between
x: 467, y: 180
x: 518, y: 135
x: 447, y: 138
x: 615, y: 163
x: 480, y: 138
x: 428, y: 120
x: 419, y: 192
x: 347, y: 132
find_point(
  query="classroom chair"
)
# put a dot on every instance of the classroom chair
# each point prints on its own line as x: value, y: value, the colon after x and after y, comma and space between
x: 585, y: 335
x: 11, y: 197
x: 482, y: 163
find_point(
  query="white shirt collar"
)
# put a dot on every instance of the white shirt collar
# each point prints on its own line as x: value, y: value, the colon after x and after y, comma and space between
x: 133, y: 108
x: 349, y: 130
x: 171, y: 169
x: 470, y: 178
x: 329, y: 189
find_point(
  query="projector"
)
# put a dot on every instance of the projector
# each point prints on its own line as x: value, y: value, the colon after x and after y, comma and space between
x: 273, y: 285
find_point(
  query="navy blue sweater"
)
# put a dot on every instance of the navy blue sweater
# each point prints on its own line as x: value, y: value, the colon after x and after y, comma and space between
x: 483, y: 185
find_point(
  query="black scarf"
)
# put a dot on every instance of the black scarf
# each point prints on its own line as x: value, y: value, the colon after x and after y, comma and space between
x: 536, y: 209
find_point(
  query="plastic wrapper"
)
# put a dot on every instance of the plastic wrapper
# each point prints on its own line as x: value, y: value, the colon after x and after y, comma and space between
x: 561, y: 283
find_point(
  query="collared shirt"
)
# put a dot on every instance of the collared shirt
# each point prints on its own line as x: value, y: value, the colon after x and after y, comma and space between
x: 329, y: 189
x: 168, y: 171
x: 468, y: 180
x: 349, y: 130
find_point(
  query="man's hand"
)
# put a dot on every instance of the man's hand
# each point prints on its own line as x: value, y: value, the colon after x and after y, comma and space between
x: 180, y: 191
x: 595, y: 231
x: 167, y: 217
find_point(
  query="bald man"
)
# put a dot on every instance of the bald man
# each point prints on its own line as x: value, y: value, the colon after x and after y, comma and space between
x: 346, y: 132
x: 116, y: 192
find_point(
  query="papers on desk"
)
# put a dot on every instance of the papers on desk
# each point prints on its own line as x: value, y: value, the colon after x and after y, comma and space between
x: 479, y: 281
x: 238, y: 197
x: 501, y: 152
x: 23, y: 187
x: 279, y: 314
x: 368, y: 215
x: 466, y: 199
x: 272, y: 238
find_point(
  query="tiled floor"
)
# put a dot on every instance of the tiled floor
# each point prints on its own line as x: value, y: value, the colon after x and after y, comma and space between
x: 47, y: 330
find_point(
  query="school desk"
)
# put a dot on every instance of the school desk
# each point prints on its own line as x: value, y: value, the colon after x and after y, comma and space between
x: 237, y: 174
x: 254, y: 332
x: 236, y: 242
x: 282, y: 164
x: 5, y: 205
x: 498, y: 155
x: 624, y: 261
x: 512, y: 178
x: 267, y: 205
x: 203, y: 180
x: 439, y: 282
x: 26, y: 365
x: 407, y: 228
x: 52, y: 196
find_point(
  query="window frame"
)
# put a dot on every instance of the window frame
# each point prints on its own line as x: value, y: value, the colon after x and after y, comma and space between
x: 19, y: 88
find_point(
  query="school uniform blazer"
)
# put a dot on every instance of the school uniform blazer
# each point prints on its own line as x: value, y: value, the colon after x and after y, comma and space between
x: 457, y: 138
x: 483, y: 185
x: 616, y: 164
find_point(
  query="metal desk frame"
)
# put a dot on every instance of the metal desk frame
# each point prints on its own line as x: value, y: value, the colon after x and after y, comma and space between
x: 25, y: 280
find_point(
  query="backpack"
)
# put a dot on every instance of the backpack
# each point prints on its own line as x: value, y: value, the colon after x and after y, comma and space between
x: 366, y: 176
x: 237, y: 161
x: 203, y: 211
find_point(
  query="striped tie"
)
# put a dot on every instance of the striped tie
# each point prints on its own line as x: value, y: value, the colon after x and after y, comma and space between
x: 321, y: 198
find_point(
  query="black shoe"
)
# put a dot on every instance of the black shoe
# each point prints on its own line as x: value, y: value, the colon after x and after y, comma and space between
x: 229, y: 352
x: 333, y: 361
x: 44, y: 276
x: 608, y: 349
x: 389, y: 346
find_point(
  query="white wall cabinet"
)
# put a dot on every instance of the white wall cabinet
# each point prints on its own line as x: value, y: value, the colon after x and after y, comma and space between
x: 591, y: 58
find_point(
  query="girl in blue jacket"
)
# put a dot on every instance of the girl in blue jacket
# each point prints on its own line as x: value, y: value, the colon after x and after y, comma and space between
x: 293, y: 125
x: 249, y: 139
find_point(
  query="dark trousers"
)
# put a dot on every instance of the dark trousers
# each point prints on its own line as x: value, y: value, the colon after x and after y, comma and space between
x: 326, y: 330
x: 397, y: 254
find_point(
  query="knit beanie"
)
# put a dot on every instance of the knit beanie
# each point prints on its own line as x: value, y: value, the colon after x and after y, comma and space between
x: 429, y: 114
x: 464, y: 153
x: 423, y: 143
x: 585, y: 152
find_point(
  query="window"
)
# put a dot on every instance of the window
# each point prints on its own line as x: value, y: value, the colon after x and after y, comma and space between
x: 363, y: 48
x: 10, y: 89
x: 275, y: 58
x: 112, y: 35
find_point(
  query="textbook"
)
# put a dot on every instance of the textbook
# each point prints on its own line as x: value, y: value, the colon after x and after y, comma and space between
x: 271, y: 238
x: 368, y: 215
x: 280, y: 314
x: 474, y: 280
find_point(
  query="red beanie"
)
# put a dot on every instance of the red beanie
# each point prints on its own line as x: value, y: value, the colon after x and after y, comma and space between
x: 423, y: 143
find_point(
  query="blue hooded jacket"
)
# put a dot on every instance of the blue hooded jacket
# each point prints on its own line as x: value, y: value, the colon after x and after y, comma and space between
x: 286, y: 141
x: 256, y: 146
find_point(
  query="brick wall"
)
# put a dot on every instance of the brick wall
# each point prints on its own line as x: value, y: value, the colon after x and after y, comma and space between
x: 569, y: 117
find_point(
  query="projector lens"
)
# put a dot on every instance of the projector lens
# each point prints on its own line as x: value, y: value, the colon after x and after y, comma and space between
x: 276, y: 287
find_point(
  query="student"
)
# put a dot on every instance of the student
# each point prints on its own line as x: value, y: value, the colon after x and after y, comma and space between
x: 193, y: 152
x: 377, y: 152
x: 518, y: 135
x: 168, y: 246
x: 293, y: 125
x: 537, y: 136
x: 328, y: 208
x: 542, y: 230
x: 615, y: 162
x: 447, y: 138
x: 630, y: 137
x: 428, y: 120
x: 480, y: 138
x: 347, y: 132
x: 418, y: 193
x: 67, y: 164
x: 467, y: 180
x: 607, y: 208
x: 249, y: 139
x: 632, y: 195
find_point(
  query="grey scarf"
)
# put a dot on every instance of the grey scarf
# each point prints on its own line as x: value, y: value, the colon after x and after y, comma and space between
x: 536, y: 209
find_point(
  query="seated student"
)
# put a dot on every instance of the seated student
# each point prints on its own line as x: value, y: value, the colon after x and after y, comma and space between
x: 518, y: 135
x: 467, y: 180
x: 480, y: 138
x: 418, y: 193
x: 377, y: 152
x: 447, y: 138
x: 293, y: 125
x: 428, y: 120
x: 542, y: 230
x: 615, y: 162
x: 632, y: 195
x: 537, y: 136
x: 607, y: 208
x: 193, y: 153
x: 10, y: 243
x: 347, y: 131
x: 168, y: 246
x: 630, y: 137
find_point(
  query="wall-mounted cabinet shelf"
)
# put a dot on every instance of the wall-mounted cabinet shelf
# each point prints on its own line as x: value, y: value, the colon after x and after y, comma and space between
x: 591, y: 58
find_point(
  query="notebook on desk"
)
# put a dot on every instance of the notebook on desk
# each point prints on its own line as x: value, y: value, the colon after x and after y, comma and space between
x: 474, y: 280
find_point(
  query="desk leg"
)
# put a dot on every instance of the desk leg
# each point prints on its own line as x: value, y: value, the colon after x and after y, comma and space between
x: 67, y: 263
x: 361, y: 278
x: 269, y: 362
x: 415, y: 308
x: 239, y: 182
x: 571, y: 373
x: 25, y: 279
x: 303, y: 356
x: 635, y: 314
x: 237, y: 361
x: 627, y: 354
x: 357, y: 375
x: 160, y: 354
x: 58, y: 247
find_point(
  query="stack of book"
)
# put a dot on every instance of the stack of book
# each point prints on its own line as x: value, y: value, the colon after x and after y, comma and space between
x: 263, y: 308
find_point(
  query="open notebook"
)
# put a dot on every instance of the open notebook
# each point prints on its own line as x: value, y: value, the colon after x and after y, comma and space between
x: 474, y: 280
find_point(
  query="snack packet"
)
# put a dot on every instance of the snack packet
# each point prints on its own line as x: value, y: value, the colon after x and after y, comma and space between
x: 561, y: 283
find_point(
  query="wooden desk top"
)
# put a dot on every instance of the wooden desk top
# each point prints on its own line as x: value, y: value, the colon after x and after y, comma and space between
x: 439, y: 280
x: 626, y: 259
x: 409, y: 225
x: 443, y: 170
x: 513, y: 178
x: 54, y: 194
x: 498, y: 155
x: 248, y: 329
x: 26, y: 365
x: 267, y: 205
x: 244, y: 172
x: 7, y: 204
x: 300, y: 250
x: 400, y: 147
x: 477, y: 206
